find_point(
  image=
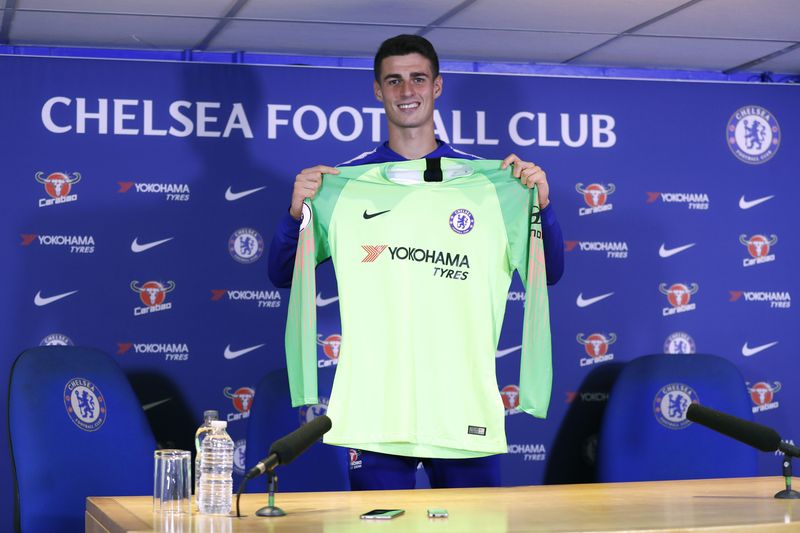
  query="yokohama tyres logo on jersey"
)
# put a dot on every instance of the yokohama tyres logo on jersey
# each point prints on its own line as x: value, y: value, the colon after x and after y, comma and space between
x: 679, y: 296
x: 596, y: 196
x: 758, y: 246
x: 58, y: 186
x: 447, y: 265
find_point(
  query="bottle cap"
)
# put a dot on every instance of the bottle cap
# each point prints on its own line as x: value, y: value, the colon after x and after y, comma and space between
x: 219, y: 424
x: 212, y: 414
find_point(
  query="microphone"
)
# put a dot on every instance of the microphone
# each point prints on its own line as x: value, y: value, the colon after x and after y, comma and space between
x: 760, y: 437
x: 286, y: 449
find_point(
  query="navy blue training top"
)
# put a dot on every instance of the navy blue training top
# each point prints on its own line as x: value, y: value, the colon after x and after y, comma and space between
x: 283, y: 247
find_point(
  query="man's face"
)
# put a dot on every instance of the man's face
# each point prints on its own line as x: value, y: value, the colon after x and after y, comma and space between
x: 407, y: 89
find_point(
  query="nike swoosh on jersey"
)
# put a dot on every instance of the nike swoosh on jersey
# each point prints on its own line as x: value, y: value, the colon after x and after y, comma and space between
x: 748, y: 351
x: 368, y: 216
x: 322, y: 302
x: 233, y: 354
x: 138, y: 248
x: 503, y: 353
x: 747, y: 204
x: 669, y: 252
x: 148, y: 406
x: 233, y: 196
x: 40, y: 300
x: 585, y: 302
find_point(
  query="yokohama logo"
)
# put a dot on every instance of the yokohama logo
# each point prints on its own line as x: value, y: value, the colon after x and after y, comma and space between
x: 761, y: 296
x: 372, y: 252
x: 693, y: 200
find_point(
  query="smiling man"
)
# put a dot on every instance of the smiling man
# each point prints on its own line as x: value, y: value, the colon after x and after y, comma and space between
x: 407, y: 82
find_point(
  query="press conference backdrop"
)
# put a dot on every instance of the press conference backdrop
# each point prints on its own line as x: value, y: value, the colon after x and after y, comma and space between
x: 140, y: 198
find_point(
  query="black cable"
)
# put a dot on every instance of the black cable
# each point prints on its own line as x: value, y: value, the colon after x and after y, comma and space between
x: 238, y: 494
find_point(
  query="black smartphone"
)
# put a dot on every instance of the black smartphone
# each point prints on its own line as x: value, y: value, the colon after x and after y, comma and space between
x: 382, y: 514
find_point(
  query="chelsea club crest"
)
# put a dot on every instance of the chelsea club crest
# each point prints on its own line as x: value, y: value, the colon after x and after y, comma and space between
x: 85, y: 404
x: 461, y: 221
x: 671, y: 403
x: 753, y: 134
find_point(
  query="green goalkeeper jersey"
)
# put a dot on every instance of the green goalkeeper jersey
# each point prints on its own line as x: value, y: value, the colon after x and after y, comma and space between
x: 423, y: 270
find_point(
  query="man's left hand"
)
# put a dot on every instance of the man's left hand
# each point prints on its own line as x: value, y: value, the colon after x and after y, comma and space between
x: 529, y: 175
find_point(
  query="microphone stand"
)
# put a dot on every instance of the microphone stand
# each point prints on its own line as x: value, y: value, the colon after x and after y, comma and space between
x: 787, y: 493
x: 272, y: 486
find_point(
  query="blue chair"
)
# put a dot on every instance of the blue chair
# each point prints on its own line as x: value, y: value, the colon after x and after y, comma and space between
x: 321, y: 468
x: 645, y: 435
x: 76, y: 430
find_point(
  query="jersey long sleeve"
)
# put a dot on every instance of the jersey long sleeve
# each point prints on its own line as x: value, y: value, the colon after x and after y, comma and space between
x: 423, y: 270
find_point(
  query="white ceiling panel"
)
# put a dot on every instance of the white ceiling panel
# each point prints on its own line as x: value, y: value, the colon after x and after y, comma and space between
x: 203, y: 8
x: 415, y: 12
x: 664, y: 52
x: 747, y: 19
x: 563, y: 15
x: 303, y: 38
x: 491, y: 45
x: 788, y: 63
x: 730, y: 32
x: 112, y: 31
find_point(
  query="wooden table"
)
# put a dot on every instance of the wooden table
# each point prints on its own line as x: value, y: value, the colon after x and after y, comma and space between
x: 721, y: 505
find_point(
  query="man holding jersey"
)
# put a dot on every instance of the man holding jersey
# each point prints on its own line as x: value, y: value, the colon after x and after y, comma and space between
x: 407, y: 82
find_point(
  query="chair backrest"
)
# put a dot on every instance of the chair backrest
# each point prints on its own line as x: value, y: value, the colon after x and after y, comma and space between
x: 76, y: 430
x: 645, y: 434
x: 320, y: 468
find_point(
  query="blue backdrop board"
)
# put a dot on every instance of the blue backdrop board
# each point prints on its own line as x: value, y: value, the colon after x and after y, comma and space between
x: 143, y: 194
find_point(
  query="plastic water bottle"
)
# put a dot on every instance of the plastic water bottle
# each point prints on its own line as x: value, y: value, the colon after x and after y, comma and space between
x: 216, y: 471
x: 199, y: 435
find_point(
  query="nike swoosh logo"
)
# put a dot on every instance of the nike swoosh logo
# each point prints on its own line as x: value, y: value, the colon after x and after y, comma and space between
x: 40, y: 300
x: 138, y: 248
x: 503, y: 353
x: 747, y: 351
x: 368, y: 216
x: 148, y: 406
x: 585, y: 302
x: 669, y: 252
x: 747, y: 204
x: 233, y: 196
x: 322, y: 302
x: 233, y: 354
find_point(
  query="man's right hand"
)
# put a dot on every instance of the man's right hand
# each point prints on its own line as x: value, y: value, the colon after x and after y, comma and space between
x: 306, y: 185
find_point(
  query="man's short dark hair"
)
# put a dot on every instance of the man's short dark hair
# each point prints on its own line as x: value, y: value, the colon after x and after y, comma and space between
x: 402, y: 45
